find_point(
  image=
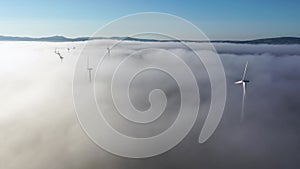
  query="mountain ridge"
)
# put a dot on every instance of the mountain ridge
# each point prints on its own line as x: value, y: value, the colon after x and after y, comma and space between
x: 274, y: 40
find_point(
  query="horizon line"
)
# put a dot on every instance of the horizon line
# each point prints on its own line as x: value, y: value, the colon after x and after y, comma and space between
x: 61, y: 38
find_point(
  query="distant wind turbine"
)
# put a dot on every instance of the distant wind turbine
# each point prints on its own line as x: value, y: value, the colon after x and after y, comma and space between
x: 244, y: 81
x: 89, y: 68
x: 108, y: 51
x: 59, y: 54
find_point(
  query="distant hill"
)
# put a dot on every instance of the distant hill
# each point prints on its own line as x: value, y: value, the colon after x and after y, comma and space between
x: 45, y: 39
x: 277, y: 40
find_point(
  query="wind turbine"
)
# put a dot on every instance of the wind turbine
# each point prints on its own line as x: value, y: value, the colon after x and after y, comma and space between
x: 108, y: 51
x: 244, y: 81
x: 59, y: 54
x: 89, y: 68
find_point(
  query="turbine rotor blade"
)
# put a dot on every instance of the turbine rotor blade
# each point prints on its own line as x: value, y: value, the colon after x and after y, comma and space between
x: 244, y: 74
x: 88, y: 62
x: 244, y: 89
x: 243, y: 101
x: 238, y: 82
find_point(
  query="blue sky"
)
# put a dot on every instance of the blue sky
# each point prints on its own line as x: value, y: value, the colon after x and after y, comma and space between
x: 222, y: 19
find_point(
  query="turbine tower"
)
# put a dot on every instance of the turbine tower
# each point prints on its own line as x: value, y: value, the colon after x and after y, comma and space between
x: 244, y: 81
x: 89, y: 68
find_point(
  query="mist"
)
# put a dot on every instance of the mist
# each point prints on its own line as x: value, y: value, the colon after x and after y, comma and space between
x: 39, y: 127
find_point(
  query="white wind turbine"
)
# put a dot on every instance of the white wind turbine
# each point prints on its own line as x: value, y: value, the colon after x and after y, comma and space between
x: 244, y: 81
x: 108, y: 51
x: 59, y: 54
x: 89, y: 68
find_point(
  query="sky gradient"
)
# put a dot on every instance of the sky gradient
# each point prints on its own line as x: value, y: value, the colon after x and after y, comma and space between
x: 230, y: 19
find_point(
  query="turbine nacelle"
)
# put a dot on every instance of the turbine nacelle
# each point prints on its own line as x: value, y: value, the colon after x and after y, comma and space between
x: 242, y: 81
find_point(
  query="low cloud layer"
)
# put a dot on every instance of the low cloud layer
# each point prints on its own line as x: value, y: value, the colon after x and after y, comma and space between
x: 39, y: 129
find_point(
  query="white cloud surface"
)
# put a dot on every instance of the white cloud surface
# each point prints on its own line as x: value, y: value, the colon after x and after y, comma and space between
x: 39, y: 129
